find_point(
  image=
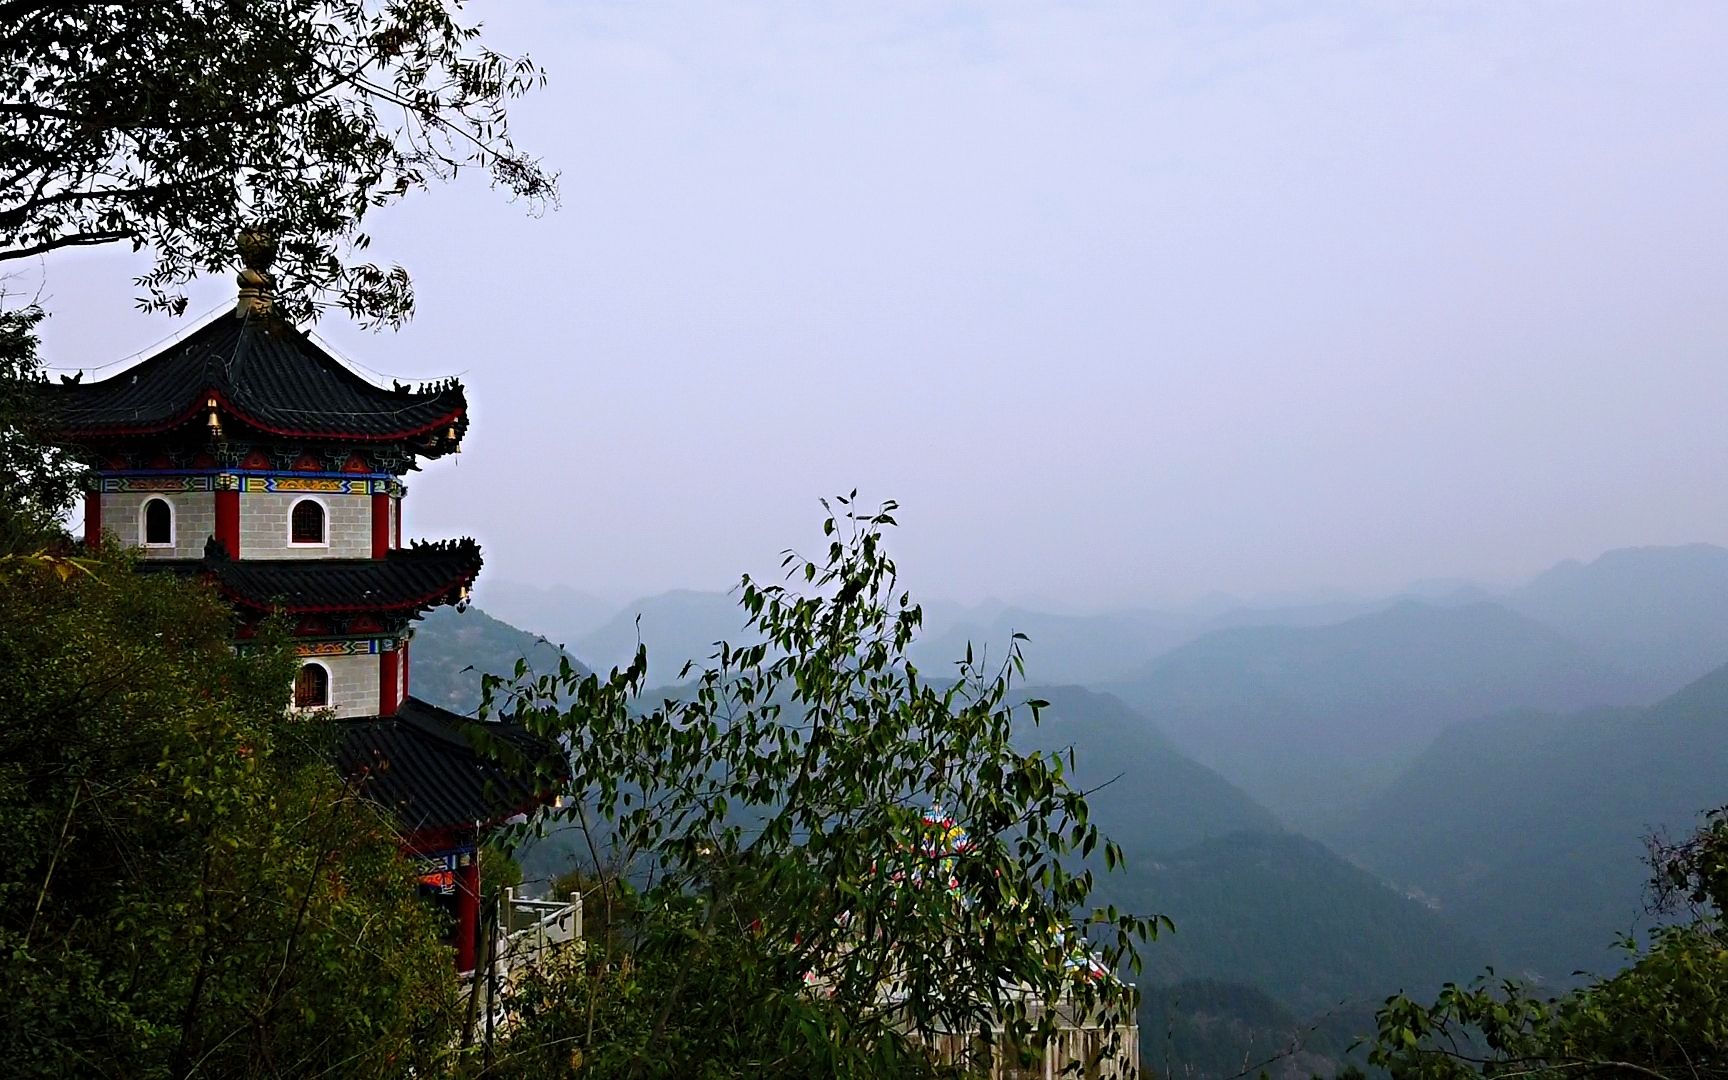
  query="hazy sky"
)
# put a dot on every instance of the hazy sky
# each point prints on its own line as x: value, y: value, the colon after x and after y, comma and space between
x: 1121, y: 301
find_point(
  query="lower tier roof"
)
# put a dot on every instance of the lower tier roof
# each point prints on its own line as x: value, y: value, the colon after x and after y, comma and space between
x: 426, y: 766
x: 408, y: 579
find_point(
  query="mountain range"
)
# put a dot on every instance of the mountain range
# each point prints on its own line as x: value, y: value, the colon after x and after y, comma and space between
x: 1530, y: 827
x: 1333, y: 801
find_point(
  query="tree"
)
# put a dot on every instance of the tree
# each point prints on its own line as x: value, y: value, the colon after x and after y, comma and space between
x: 1664, y: 1017
x: 38, y: 482
x: 814, y: 860
x: 186, y: 887
x: 176, y: 126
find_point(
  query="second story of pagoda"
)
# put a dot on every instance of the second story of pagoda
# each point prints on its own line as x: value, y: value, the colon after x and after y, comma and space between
x: 247, y: 454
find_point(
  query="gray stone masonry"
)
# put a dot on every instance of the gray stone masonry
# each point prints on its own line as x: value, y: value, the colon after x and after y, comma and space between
x: 194, y: 521
x: 353, y: 683
x: 264, y: 526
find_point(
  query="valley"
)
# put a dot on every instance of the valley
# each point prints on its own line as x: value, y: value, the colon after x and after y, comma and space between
x: 1334, y: 802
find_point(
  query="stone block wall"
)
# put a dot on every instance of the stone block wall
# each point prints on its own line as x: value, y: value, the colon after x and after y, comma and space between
x: 353, y: 684
x: 264, y: 526
x: 194, y: 521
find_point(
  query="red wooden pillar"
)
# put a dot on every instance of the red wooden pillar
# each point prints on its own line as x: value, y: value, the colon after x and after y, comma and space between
x: 228, y: 521
x: 403, y: 649
x: 93, y: 518
x: 467, y: 911
x: 380, y: 524
x: 389, y: 682
x: 398, y: 522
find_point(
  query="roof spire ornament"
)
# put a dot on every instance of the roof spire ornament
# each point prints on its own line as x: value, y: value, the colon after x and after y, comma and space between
x: 257, y: 252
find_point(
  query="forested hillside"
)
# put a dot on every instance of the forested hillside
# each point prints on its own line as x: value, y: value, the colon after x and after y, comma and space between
x: 1149, y: 796
x: 1528, y: 828
x: 452, y: 649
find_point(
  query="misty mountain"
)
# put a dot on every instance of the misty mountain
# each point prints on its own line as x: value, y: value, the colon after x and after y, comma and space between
x: 1658, y: 613
x: 676, y: 626
x: 559, y: 612
x: 452, y: 649
x: 1109, y: 647
x: 1283, y: 913
x: 1308, y: 719
x: 1529, y: 828
x: 1150, y: 797
x: 1060, y: 648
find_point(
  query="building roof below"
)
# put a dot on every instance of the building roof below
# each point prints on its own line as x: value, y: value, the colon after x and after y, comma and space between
x: 427, y: 766
x: 421, y: 576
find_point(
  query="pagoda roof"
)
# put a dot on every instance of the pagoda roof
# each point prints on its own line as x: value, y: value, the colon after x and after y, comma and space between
x: 426, y: 766
x: 421, y: 576
x: 267, y: 375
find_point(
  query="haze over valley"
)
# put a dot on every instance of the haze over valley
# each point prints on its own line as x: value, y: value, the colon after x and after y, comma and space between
x: 1333, y: 801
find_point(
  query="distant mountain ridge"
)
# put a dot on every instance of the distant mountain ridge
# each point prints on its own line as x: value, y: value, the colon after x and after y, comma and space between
x: 1306, y: 717
x: 1531, y: 827
x: 1146, y: 794
x: 451, y: 651
x: 676, y: 627
x: 1660, y: 614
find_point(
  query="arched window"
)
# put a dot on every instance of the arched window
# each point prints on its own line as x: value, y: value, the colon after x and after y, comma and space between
x: 312, y: 686
x: 306, y: 522
x: 157, y: 523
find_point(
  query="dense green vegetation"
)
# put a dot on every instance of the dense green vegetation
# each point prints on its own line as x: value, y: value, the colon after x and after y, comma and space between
x: 863, y: 856
x: 188, y: 887
x: 1665, y: 1015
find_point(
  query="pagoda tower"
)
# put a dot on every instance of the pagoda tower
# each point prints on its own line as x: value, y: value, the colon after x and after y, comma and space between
x: 247, y: 455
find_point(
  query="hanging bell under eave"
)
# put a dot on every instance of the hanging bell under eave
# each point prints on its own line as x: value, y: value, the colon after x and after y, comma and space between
x: 214, y: 422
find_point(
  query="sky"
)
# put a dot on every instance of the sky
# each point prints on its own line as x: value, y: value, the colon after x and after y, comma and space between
x: 1123, y: 303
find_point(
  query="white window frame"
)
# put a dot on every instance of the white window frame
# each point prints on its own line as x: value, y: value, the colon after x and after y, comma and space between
x: 144, y: 523
x: 322, y: 505
x: 329, y: 688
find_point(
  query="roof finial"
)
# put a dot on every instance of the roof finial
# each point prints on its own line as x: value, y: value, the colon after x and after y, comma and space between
x: 257, y: 252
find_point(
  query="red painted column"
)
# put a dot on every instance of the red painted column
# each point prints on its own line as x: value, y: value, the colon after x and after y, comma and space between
x: 467, y: 912
x: 228, y: 521
x: 380, y: 525
x: 404, y: 651
x: 93, y: 518
x: 398, y: 522
x: 389, y: 682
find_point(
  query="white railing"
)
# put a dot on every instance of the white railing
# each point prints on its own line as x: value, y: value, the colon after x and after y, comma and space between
x: 528, y: 927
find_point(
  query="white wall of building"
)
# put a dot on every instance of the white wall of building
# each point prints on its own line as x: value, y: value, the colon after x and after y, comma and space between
x: 194, y: 521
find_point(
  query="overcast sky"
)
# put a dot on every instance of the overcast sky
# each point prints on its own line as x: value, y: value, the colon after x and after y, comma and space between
x: 1122, y: 302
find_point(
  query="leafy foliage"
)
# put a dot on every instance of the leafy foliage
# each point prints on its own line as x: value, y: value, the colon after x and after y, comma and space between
x: 780, y: 815
x: 1665, y: 1015
x: 187, y: 886
x: 37, y: 481
x: 175, y: 126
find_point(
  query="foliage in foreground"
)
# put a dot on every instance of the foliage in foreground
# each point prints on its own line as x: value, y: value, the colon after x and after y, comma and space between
x: 771, y: 836
x: 174, y: 126
x: 1664, y: 1017
x: 188, y: 889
